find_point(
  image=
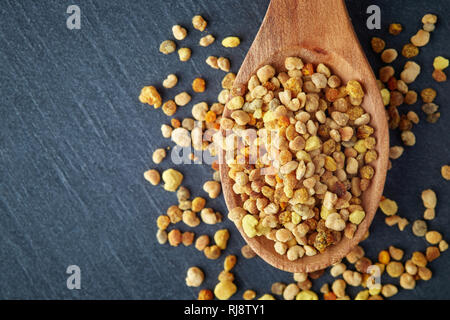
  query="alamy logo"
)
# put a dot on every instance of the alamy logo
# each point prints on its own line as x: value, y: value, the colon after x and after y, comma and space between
x: 374, y: 21
x: 74, y: 280
x: 74, y: 20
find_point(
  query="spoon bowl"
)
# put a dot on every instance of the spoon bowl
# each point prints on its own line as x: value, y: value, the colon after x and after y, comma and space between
x: 318, y: 31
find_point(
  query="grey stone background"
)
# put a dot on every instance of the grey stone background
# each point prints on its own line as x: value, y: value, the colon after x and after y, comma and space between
x: 74, y: 142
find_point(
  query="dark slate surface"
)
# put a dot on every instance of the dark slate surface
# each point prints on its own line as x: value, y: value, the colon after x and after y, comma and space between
x: 74, y: 142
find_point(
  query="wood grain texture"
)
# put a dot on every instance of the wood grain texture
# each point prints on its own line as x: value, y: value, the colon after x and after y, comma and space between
x: 288, y: 30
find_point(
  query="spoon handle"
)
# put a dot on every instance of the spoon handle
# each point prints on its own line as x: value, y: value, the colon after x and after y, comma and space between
x: 320, y: 25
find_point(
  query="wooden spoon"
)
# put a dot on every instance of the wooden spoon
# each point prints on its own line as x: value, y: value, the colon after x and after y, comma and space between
x: 318, y: 31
